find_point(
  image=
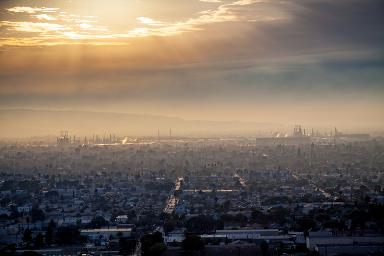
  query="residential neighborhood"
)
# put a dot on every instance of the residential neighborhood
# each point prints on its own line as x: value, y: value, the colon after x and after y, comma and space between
x: 93, y: 198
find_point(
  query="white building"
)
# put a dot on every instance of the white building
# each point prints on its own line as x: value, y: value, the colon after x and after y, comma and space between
x: 247, y: 233
x: 122, y: 219
x: 70, y: 220
x: 103, y: 234
x: 25, y: 208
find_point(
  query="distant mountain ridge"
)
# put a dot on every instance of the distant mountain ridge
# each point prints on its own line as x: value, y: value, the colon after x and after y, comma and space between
x: 27, y: 122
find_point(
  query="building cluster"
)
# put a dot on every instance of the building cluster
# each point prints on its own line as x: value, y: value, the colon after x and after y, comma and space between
x: 232, y: 195
x: 302, y: 137
x: 66, y: 139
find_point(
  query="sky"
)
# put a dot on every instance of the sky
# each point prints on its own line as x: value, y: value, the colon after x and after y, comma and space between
x: 312, y: 62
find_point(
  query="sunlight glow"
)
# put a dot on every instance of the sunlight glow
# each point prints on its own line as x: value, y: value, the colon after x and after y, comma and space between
x: 68, y: 27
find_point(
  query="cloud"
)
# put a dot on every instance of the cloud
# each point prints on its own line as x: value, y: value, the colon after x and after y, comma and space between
x: 73, y: 27
x: 35, y: 27
x: 210, y: 1
x: 230, y: 12
x: 59, y: 27
x: 45, y: 17
x: 149, y: 21
x: 253, y: 29
x: 31, y: 10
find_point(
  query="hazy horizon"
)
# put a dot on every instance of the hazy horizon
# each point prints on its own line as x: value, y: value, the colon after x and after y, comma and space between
x: 27, y: 123
x: 315, y: 63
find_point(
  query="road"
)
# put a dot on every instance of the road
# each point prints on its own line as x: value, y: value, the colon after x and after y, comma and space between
x: 172, y: 200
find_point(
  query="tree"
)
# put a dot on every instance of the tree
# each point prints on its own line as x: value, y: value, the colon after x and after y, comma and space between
x: 27, y: 236
x: 192, y: 243
x: 148, y: 240
x: 157, y: 249
x: 37, y: 214
x: 259, y: 217
x: 264, y: 247
x: 202, y: 224
x: 304, y: 224
x: 50, y: 232
x: 68, y: 235
x: 39, y: 240
x: 169, y: 226
x: 98, y: 222
x: 119, y: 234
x: 226, y: 206
x: 278, y: 214
x: 127, y: 246
x: 8, y: 250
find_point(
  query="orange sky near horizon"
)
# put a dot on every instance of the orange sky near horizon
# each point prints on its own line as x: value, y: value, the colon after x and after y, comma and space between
x: 316, y: 62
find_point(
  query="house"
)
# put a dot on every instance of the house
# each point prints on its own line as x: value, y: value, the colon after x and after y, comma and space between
x: 104, y: 234
x: 4, y: 211
x: 180, y: 209
x: 176, y: 236
x: 86, y: 219
x: 68, y: 221
x: 25, y: 208
x: 122, y: 219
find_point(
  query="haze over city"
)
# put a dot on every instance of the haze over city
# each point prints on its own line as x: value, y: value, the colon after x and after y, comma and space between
x: 191, y: 127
